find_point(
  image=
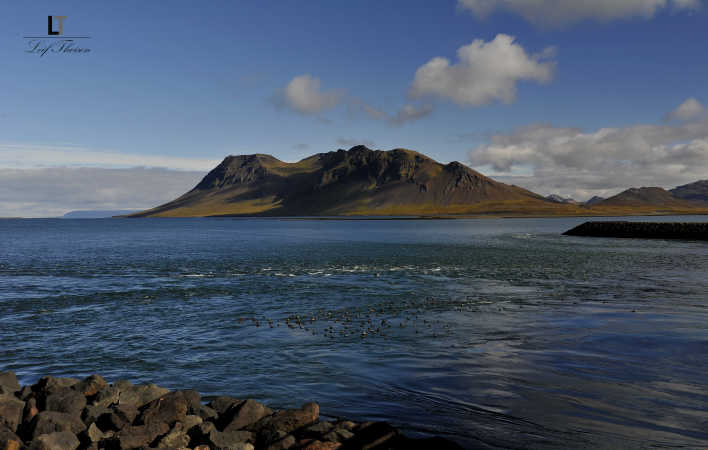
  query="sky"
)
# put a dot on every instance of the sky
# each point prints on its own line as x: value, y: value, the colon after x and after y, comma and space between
x: 568, y: 97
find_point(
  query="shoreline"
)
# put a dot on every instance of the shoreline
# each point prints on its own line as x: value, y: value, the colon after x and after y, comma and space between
x: 91, y: 414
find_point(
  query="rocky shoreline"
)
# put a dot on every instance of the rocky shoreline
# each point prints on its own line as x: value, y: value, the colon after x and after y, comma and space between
x: 70, y: 414
x: 642, y: 230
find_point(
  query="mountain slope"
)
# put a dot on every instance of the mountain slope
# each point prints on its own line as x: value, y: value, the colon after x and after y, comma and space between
x: 697, y: 191
x: 359, y: 181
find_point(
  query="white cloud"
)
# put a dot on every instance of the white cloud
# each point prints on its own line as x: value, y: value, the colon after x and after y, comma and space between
x: 55, y: 191
x: 577, y: 163
x: 303, y: 94
x: 689, y: 109
x: 410, y: 113
x: 34, y: 156
x: 559, y: 13
x: 486, y: 71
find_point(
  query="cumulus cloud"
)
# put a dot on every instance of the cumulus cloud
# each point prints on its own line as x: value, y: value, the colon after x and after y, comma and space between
x: 410, y: 113
x: 579, y: 163
x: 689, y: 109
x: 303, y: 94
x: 560, y: 13
x: 485, y: 72
x: 52, y: 192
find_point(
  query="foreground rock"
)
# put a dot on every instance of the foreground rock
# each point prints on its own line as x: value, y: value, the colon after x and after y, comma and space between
x: 642, y: 230
x: 73, y: 414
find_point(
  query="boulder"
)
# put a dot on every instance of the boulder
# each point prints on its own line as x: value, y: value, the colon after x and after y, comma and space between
x: 222, y: 403
x: 8, y: 384
x: 60, y: 440
x: 49, y: 385
x: 194, y: 400
x: 243, y: 414
x: 372, y: 434
x: 270, y: 428
x: 118, y: 417
x: 191, y: 421
x: 139, y: 395
x: 346, y: 424
x: 234, y: 440
x: 107, y: 396
x: 9, y: 441
x: 169, y: 408
x: 176, y: 438
x: 136, y: 436
x: 47, y: 422
x: 319, y: 445
x: 207, y: 413
x: 66, y: 400
x: 91, y: 413
x: 285, y: 442
x: 90, y: 385
x: 338, y: 435
x: 25, y: 393
x: 94, y: 434
x: 11, y: 412
x: 317, y: 430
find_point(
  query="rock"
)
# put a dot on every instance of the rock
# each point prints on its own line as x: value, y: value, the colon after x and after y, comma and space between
x: 207, y: 413
x: 9, y: 441
x: 139, y: 395
x: 90, y: 385
x: 94, y: 434
x: 338, y: 435
x: 318, y: 430
x: 243, y: 414
x: 91, y: 413
x: 191, y: 421
x: 372, y: 434
x: 11, y: 412
x: 47, y: 422
x: 66, y: 400
x: 137, y: 436
x: 218, y: 440
x: 284, y: 443
x: 8, y: 383
x: 222, y: 403
x: 169, y: 408
x: 194, y: 400
x: 49, y: 385
x: 270, y: 428
x: 60, y: 440
x: 318, y: 445
x: 107, y: 396
x: 176, y: 438
x: 346, y: 424
x: 118, y: 417
x: 25, y: 393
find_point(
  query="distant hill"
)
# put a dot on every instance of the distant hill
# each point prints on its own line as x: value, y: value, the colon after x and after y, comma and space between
x: 358, y: 181
x: 97, y: 214
x: 595, y: 200
x: 558, y: 199
x: 644, y: 196
x: 697, y: 191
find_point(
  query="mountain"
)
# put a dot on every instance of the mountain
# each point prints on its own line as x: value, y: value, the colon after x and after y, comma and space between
x: 558, y: 199
x: 358, y: 181
x: 697, y: 191
x: 96, y: 214
x: 595, y: 200
x: 646, y: 197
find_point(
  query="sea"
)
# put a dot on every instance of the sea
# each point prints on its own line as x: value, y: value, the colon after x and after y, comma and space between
x: 495, y: 333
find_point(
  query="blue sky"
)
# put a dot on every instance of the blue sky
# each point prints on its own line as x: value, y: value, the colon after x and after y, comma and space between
x: 176, y: 86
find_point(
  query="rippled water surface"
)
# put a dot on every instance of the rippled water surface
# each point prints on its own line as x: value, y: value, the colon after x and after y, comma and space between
x: 496, y: 333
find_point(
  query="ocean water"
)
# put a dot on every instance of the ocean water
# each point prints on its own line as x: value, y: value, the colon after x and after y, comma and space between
x: 494, y: 333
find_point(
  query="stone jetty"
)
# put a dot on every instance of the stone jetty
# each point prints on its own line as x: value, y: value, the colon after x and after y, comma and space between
x: 70, y: 414
x: 642, y: 230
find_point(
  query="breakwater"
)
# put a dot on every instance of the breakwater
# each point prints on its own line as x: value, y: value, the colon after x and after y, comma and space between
x: 71, y: 414
x: 642, y: 230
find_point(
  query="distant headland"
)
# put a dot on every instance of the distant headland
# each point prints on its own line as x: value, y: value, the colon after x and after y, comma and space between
x: 399, y: 182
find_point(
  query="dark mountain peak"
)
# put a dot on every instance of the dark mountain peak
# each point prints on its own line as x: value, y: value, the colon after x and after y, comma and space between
x: 697, y: 191
x: 643, y: 196
x: 235, y: 169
